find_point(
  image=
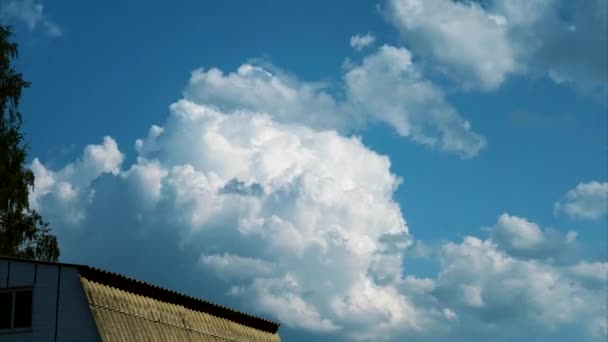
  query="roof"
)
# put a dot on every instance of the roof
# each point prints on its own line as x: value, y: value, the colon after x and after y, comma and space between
x: 126, y: 309
x: 126, y: 316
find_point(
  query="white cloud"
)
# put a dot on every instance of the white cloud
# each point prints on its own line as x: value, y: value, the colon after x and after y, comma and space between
x: 234, y: 266
x: 522, y: 238
x: 67, y: 191
x: 300, y: 224
x: 468, y: 44
x: 449, y: 314
x: 320, y: 246
x: 360, y: 42
x: 389, y: 88
x: 381, y: 309
x: 481, y: 45
x: 31, y: 14
x: 587, y: 201
x: 498, y: 293
x: 592, y: 273
x: 471, y: 295
x: 320, y: 217
x: 272, y: 92
x: 559, y: 38
x: 278, y: 297
x: 419, y: 111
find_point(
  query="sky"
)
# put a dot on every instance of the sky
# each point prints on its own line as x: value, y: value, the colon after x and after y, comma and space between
x: 380, y: 170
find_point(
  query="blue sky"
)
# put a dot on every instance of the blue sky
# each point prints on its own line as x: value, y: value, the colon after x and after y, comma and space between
x: 417, y: 147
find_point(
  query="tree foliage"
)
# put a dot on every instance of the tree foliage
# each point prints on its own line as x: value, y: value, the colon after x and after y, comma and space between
x: 23, y: 233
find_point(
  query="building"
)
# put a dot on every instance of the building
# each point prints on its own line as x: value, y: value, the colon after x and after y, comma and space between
x: 47, y: 301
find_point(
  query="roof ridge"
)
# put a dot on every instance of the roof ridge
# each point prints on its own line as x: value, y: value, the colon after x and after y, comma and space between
x: 113, y: 279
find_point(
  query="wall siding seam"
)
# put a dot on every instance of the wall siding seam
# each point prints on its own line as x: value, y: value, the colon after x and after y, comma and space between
x: 8, y: 274
x: 57, y: 301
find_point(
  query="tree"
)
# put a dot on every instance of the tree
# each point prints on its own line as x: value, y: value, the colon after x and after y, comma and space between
x: 23, y: 233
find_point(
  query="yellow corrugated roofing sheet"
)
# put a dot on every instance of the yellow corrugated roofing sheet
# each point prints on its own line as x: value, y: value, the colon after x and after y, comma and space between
x: 124, y: 316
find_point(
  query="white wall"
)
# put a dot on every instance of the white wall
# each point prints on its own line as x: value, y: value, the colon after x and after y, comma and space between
x: 69, y: 321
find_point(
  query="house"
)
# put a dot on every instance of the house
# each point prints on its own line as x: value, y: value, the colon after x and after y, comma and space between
x: 48, y: 301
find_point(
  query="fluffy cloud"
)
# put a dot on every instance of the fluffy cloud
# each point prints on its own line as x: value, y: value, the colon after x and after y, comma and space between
x: 63, y: 192
x: 31, y: 14
x: 298, y: 246
x: 468, y: 43
x: 299, y: 222
x: 501, y: 294
x: 386, y: 87
x: 594, y: 274
x: 389, y: 88
x: 360, y: 42
x: 586, y: 201
x: 562, y: 39
x: 480, y: 43
x: 300, y: 225
x: 520, y: 237
x: 277, y: 297
x: 233, y: 266
x: 273, y: 92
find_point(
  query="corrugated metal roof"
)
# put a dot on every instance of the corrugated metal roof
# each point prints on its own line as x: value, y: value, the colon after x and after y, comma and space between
x: 122, y: 282
x: 125, y: 308
x: 126, y: 316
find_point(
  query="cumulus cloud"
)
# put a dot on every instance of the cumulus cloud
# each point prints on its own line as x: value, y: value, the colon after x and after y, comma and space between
x: 320, y: 245
x: 234, y: 266
x: 503, y: 295
x: 281, y: 297
x: 481, y: 43
x: 298, y: 222
x: 391, y: 89
x: 594, y: 274
x: 30, y: 13
x: 294, y: 247
x: 468, y: 43
x: 66, y: 190
x: 386, y: 87
x: 522, y: 238
x: 360, y: 42
x: 273, y: 92
x: 586, y: 201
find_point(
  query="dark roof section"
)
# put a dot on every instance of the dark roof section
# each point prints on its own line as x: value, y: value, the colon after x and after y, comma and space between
x: 152, y: 291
